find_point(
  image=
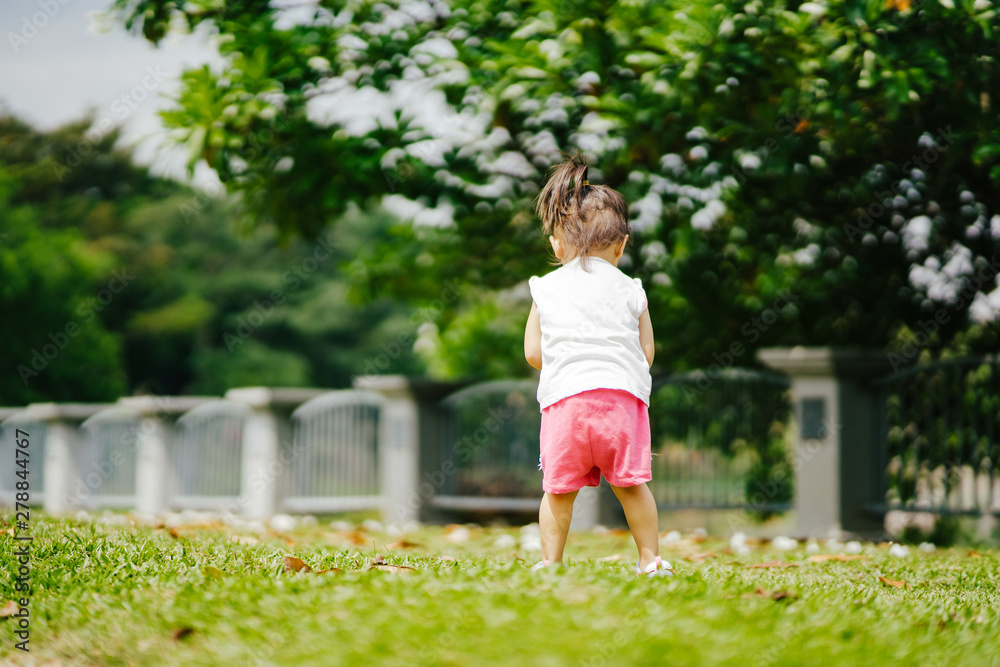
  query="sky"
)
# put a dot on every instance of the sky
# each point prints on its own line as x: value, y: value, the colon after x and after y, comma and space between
x: 53, y: 69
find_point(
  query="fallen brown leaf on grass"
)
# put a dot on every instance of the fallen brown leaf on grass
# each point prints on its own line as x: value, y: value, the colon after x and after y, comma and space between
x: 9, y: 531
x: 774, y: 563
x: 395, y: 569
x: 332, y: 570
x: 819, y: 558
x: 380, y: 564
x: 9, y: 609
x: 174, y: 533
x: 293, y: 564
x: 698, y: 558
x: 895, y: 584
x: 972, y: 553
x: 357, y: 538
x: 404, y: 544
x: 240, y: 539
x: 181, y: 633
x: 776, y: 596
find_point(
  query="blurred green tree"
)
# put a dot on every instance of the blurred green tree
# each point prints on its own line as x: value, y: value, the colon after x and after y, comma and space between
x: 115, y: 281
x: 801, y: 173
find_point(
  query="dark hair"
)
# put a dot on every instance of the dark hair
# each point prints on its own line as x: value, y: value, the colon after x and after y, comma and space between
x: 587, y: 217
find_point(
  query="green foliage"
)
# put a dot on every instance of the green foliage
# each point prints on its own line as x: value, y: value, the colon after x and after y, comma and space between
x: 114, y: 282
x: 759, y: 144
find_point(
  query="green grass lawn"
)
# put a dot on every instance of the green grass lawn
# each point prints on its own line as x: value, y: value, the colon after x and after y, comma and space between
x: 114, y: 595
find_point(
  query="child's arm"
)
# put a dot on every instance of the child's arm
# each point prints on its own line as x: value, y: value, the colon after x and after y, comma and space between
x: 645, y: 336
x: 533, y: 338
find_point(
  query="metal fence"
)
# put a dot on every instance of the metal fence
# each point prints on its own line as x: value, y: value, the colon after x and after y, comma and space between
x: 487, y: 448
x: 206, y: 457
x: 106, y: 459
x: 334, y: 454
x: 717, y: 443
x: 939, y: 426
x: 722, y: 441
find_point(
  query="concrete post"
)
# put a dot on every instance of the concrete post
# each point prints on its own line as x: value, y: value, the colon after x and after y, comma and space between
x: 154, y: 476
x: 266, y: 438
x: 399, y: 447
x: 62, y: 437
x: 836, y: 447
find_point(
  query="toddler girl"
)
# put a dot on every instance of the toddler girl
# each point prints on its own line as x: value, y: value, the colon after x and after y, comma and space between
x: 590, y: 336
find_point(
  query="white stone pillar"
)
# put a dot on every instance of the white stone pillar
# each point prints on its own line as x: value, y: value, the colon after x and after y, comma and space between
x: 264, y: 433
x: 61, y: 474
x: 399, y: 447
x: 154, y: 476
x: 62, y: 438
x: 836, y: 448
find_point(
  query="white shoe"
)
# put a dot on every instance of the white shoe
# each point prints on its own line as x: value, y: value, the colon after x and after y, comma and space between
x: 658, y: 568
x: 546, y: 565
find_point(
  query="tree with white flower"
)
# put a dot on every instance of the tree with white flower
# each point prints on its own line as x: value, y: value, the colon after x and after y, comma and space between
x: 848, y: 153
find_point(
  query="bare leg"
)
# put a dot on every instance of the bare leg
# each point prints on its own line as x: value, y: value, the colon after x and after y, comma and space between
x: 554, y: 517
x: 643, y: 520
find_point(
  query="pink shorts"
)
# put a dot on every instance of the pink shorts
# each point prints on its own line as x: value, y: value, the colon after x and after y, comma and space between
x: 594, y: 432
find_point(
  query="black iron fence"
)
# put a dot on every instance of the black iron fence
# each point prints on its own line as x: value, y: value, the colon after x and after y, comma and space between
x: 939, y: 426
x: 719, y: 441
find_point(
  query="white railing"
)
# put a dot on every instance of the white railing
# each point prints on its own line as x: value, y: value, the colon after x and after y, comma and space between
x: 252, y: 453
x: 334, y: 454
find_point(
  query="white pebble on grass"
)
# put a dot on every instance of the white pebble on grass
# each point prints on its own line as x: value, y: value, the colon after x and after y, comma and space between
x: 459, y: 535
x: 673, y: 537
x: 927, y: 547
x: 782, y: 543
x: 812, y: 547
x: 505, y: 541
x: 372, y: 526
x: 531, y: 543
x: 282, y: 522
x: 853, y: 547
x: 342, y: 525
x: 737, y: 540
x: 899, y: 550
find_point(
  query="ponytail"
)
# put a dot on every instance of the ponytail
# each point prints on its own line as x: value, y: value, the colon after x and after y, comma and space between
x: 562, y: 197
x: 588, y: 217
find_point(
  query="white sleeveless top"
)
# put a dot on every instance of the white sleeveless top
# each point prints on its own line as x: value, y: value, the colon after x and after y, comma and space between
x: 590, y: 331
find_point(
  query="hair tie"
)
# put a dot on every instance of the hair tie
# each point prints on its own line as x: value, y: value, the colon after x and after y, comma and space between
x: 585, y: 182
